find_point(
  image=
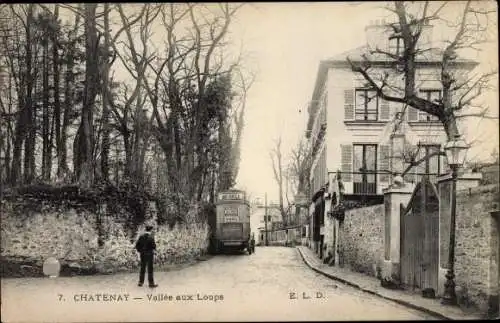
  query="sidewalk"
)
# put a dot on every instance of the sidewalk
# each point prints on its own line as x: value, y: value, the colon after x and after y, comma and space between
x: 372, y: 285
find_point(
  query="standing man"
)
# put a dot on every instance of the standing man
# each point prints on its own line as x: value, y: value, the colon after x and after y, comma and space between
x: 146, y: 247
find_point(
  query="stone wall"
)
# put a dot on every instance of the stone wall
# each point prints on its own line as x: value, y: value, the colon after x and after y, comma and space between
x: 476, y: 248
x: 362, y: 239
x: 32, y: 233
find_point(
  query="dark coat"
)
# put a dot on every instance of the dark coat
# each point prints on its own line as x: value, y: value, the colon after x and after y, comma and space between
x: 145, y: 244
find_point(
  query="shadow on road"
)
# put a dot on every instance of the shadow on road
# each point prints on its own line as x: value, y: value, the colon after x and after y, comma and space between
x: 232, y: 252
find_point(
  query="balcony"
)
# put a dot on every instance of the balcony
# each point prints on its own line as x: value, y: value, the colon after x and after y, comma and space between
x: 364, y: 186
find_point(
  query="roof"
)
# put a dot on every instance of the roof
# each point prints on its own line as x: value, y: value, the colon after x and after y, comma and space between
x: 434, y: 55
x: 431, y: 57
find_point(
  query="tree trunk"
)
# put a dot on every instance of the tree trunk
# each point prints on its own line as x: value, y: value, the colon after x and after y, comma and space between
x: 45, y: 110
x: 57, y: 99
x: 85, y: 144
x: 212, y: 187
x: 138, y: 134
x: 29, y: 151
x: 69, y: 93
x: 106, y: 129
x: 128, y: 153
x: 9, y: 136
x: 116, y: 164
x: 20, y: 136
x: 49, y: 148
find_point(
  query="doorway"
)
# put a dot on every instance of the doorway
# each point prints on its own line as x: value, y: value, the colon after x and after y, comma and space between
x: 321, y: 246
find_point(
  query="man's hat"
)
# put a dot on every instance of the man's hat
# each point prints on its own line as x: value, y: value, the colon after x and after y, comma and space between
x: 149, y: 228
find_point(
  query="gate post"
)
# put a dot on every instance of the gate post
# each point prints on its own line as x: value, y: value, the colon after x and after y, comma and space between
x: 394, y: 196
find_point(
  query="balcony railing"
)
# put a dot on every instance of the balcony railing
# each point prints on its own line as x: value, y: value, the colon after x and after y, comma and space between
x: 366, y: 186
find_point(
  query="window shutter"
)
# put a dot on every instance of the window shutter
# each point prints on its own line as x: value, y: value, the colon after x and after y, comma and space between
x: 349, y: 104
x: 385, y: 110
x: 412, y: 114
x: 444, y: 168
x: 384, y: 162
x: 346, y: 162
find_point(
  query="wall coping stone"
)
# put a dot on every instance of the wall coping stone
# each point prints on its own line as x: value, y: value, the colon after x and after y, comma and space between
x: 406, y: 189
x: 491, y: 188
x: 461, y: 177
x: 365, y: 208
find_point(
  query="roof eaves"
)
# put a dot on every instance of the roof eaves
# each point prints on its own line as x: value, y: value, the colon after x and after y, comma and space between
x: 387, y: 63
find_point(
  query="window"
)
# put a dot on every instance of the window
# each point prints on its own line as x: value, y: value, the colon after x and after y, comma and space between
x: 366, y: 104
x: 396, y: 44
x: 364, y: 168
x: 431, y: 95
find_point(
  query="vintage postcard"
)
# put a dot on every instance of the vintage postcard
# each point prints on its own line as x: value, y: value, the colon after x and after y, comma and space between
x: 326, y: 161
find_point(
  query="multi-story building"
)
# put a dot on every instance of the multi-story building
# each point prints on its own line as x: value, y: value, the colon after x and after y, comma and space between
x: 348, y: 124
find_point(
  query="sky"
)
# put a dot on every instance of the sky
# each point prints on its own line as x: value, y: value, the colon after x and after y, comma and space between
x: 285, y: 42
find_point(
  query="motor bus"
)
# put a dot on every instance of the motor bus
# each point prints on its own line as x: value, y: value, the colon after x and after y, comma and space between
x: 231, y: 224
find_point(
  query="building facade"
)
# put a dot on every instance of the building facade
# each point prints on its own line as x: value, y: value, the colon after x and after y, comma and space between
x: 350, y: 129
x: 274, y: 219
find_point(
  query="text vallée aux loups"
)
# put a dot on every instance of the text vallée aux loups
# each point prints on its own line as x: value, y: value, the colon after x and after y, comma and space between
x: 103, y: 297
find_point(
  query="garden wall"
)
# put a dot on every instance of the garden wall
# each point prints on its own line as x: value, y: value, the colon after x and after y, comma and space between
x: 362, y: 239
x: 477, y: 248
x: 86, y: 237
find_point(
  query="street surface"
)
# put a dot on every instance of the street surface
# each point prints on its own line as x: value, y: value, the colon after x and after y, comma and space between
x: 272, y: 284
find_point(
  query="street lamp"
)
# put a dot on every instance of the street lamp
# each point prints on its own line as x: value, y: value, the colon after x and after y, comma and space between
x: 455, y: 150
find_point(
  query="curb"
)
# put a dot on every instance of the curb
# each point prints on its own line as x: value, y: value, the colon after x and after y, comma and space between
x: 395, y: 300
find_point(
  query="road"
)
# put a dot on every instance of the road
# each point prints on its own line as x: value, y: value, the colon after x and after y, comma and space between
x: 272, y: 284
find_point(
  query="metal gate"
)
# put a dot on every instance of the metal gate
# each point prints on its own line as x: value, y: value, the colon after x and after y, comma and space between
x: 420, y: 238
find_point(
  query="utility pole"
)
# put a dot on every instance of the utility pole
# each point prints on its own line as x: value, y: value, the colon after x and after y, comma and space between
x: 265, y: 217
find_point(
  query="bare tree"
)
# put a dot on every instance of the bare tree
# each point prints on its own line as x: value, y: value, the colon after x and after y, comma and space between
x: 24, y: 124
x: 70, y: 56
x: 460, y: 89
x: 191, y: 67
x: 136, y: 58
x: 244, y: 85
x: 278, y: 171
x: 300, y: 165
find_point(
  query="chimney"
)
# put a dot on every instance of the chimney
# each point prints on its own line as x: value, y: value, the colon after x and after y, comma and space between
x: 377, y: 35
